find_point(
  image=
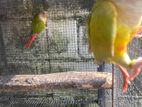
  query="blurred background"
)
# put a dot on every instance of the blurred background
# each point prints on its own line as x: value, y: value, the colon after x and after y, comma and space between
x: 64, y: 47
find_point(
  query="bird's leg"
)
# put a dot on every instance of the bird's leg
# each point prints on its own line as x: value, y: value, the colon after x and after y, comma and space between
x: 137, y: 68
x: 125, y: 78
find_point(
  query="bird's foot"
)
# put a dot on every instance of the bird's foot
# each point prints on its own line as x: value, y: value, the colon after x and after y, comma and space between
x: 126, y: 79
x: 137, y: 68
x: 126, y: 82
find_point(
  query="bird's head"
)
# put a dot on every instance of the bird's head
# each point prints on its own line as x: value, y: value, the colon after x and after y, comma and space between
x: 43, y: 16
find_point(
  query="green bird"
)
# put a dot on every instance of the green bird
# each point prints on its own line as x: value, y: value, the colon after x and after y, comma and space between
x: 112, y: 24
x: 38, y: 25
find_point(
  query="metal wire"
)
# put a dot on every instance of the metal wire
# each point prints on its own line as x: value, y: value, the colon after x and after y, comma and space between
x: 66, y: 50
x: 113, y: 76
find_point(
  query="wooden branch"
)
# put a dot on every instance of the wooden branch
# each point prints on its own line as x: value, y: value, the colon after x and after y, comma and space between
x: 63, y: 80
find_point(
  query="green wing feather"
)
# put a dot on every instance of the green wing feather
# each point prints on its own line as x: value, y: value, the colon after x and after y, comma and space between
x: 37, y: 25
x: 102, y: 25
x: 88, y: 30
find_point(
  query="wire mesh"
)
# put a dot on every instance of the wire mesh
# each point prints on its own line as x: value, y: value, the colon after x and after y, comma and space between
x: 132, y: 98
x: 61, y: 47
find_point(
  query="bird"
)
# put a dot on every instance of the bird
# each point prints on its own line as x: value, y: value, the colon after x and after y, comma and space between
x: 111, y: 26
x: 38, y: 25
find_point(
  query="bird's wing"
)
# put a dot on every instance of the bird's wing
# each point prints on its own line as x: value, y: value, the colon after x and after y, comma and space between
x: 37, y: 25
x: 102, y: 28
x: 89, y: 36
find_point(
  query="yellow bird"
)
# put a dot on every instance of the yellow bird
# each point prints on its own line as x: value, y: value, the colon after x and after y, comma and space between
x: 112, y: 24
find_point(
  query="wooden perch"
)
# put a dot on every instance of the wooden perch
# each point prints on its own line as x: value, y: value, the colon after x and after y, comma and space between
x: 63, y: 80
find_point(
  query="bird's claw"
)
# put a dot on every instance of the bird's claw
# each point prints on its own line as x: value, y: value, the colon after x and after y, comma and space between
x: 137, y: 68
x: 125, y: 84
x: 126, y: 78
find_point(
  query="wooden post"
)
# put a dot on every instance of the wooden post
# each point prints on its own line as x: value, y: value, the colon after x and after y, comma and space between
x: 101, y: 91
x: 3, y: 65
x: 63, y: 80
x: 115, y: 89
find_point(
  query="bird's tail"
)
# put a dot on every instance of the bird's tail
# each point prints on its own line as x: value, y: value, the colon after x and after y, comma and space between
x: 30, y: 41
